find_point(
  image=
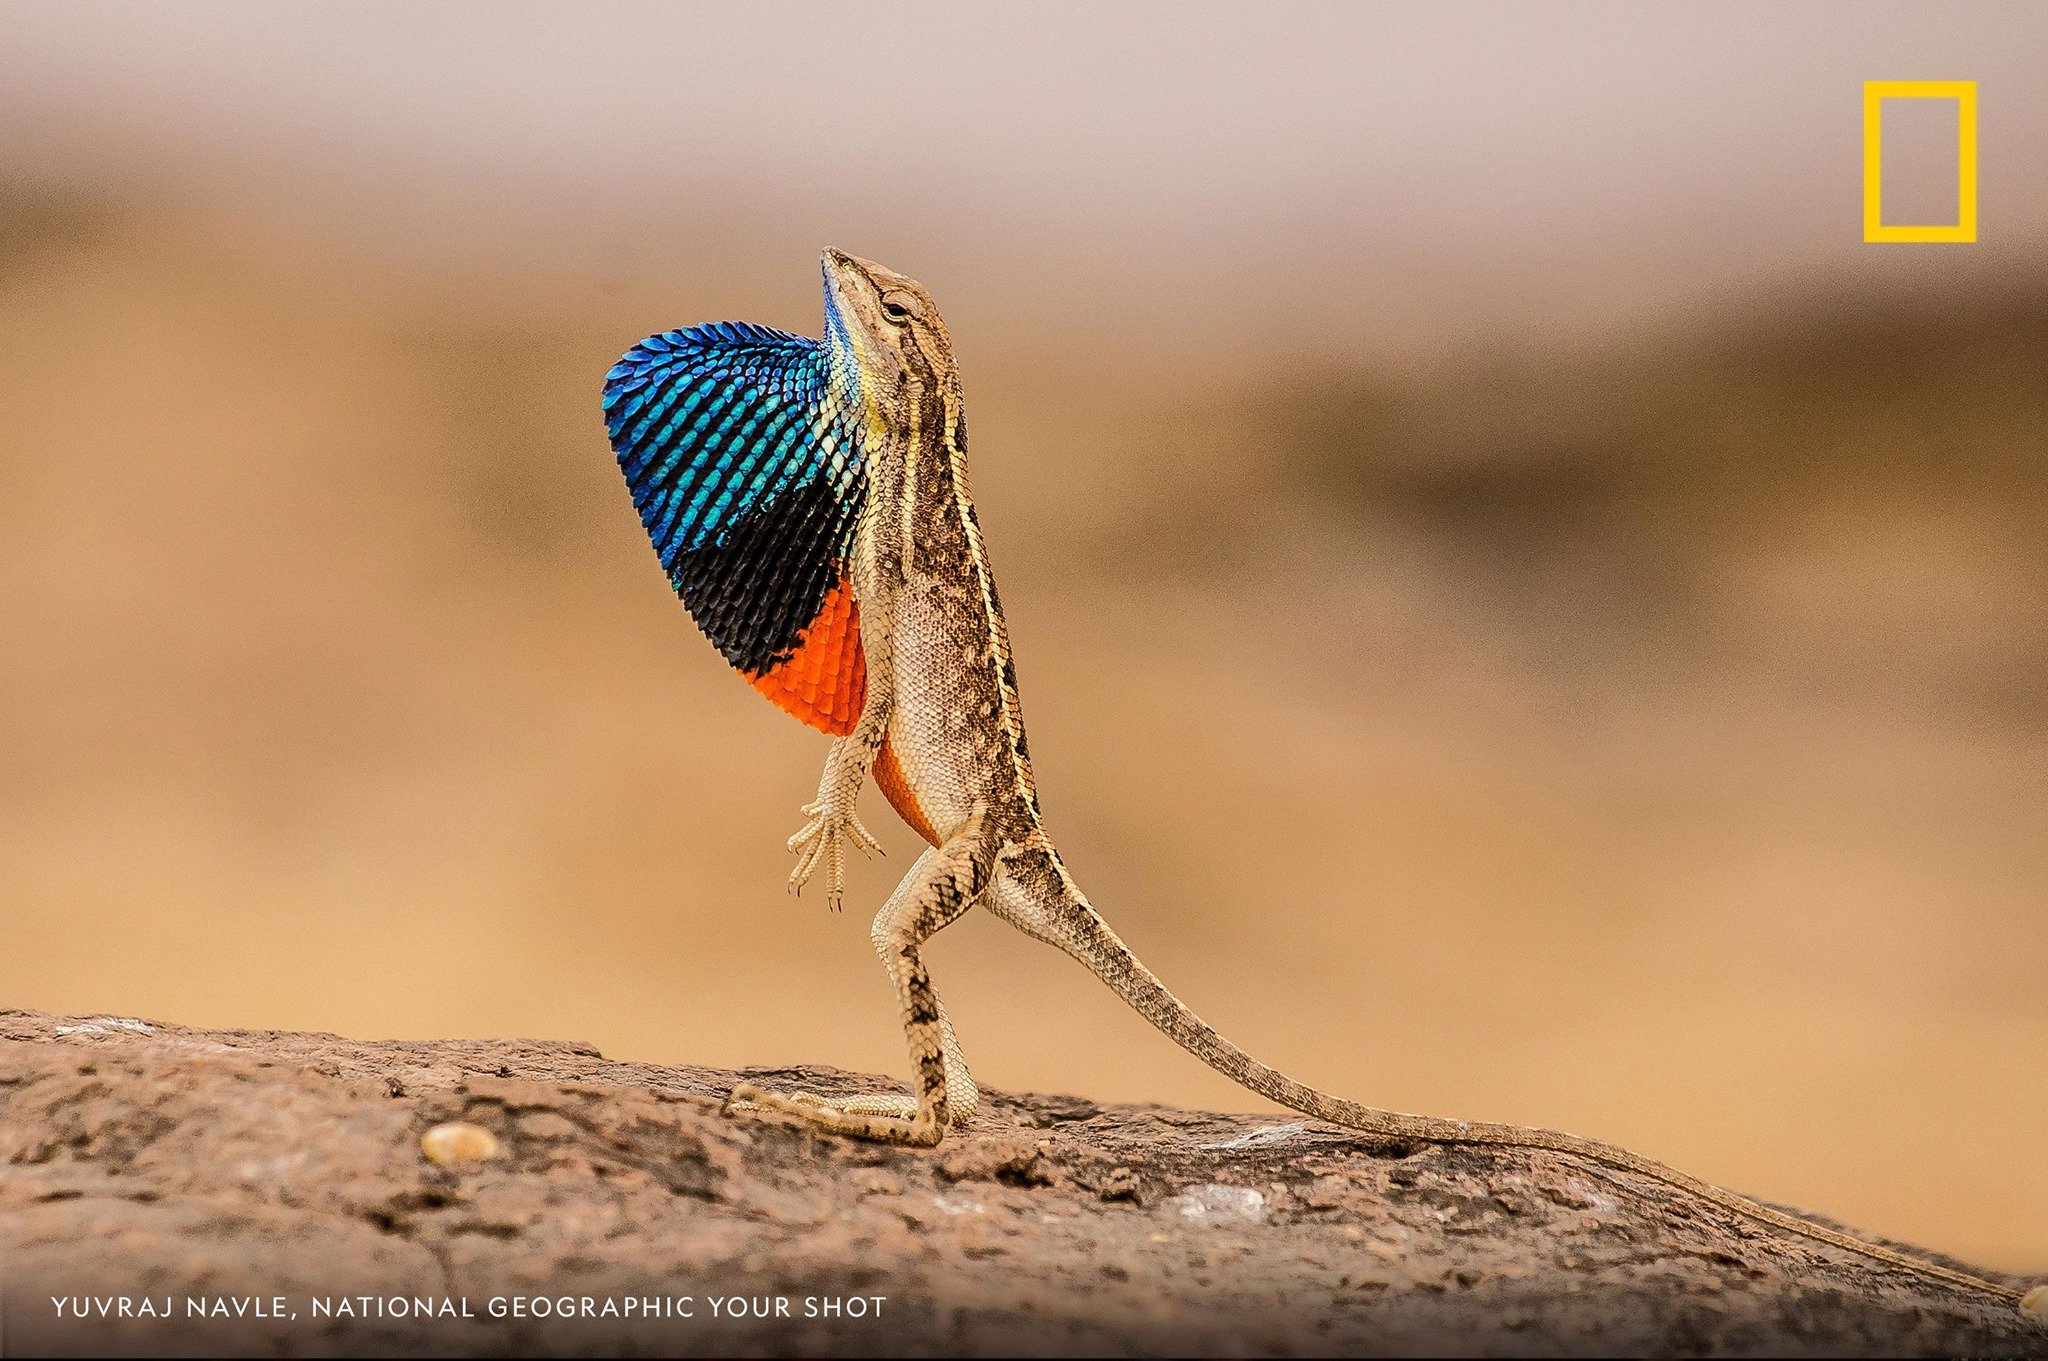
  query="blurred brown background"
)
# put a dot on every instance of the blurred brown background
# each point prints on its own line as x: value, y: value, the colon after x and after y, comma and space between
x: 1522, y: 613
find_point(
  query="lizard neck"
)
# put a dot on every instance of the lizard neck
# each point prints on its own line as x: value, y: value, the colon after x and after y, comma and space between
x: 959, y: 730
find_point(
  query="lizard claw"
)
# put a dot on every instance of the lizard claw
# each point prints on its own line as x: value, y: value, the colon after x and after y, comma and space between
x: 822, y: 841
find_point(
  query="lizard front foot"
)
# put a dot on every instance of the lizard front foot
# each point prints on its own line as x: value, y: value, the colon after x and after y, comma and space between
x: 823, y: 841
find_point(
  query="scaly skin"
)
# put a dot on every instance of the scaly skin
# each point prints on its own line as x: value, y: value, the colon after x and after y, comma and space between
x: 941, y: 692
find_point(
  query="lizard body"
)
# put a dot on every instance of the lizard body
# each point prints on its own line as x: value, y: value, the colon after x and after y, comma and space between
x: 813, y: 510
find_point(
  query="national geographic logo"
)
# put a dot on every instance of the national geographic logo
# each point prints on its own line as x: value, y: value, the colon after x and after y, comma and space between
x: 1875, y: 93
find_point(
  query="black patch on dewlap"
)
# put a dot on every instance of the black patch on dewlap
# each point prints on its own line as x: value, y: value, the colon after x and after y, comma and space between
x: 756, y: 592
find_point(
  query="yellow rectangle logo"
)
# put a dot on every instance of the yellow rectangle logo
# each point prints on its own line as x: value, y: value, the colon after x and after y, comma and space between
x: 1875, y: 92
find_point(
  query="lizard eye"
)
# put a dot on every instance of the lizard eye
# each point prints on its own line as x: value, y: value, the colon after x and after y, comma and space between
x: 894, y: 310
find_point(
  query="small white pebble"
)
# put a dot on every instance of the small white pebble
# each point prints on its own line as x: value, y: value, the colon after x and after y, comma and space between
x: 2034, y: 1304
x: 1259, y: 1138
x: 1214, y: 1203
x: 458, y: 1144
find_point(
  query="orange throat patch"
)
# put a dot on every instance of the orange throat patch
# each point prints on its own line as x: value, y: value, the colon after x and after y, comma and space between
x: 824, y: 681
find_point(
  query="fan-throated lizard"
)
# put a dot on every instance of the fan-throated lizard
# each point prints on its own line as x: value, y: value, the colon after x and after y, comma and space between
x: 809, y: 502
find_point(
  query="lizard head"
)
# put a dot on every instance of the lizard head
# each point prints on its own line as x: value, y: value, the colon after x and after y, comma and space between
x: 889, y: 328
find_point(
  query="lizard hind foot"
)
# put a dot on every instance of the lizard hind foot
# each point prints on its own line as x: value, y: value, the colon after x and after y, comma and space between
x: 886, y: 1119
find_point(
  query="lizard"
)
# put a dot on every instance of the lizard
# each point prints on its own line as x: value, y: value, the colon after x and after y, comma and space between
x: 809, y: 502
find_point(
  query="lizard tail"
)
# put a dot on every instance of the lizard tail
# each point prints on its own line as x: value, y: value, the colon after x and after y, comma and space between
x: 1078, y: 929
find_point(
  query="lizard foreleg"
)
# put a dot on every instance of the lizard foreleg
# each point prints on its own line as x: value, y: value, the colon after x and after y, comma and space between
x: 832, y: 818
x: 847, y: 765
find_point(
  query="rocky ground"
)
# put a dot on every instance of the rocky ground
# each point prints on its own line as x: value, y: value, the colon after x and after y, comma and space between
x: 268, y: 1191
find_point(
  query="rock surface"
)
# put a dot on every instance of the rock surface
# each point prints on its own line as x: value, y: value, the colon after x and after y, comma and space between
x: 259, y: 1171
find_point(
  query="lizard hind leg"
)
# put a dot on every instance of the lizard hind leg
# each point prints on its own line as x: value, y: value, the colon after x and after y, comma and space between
x: 944, y: 883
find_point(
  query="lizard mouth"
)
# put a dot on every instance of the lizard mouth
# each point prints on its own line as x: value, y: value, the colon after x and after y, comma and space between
x: 839, y: 259
x: 849, y: 283
x: 841, y: 269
